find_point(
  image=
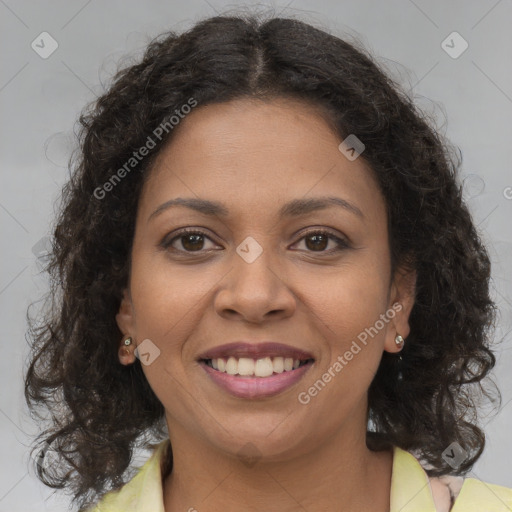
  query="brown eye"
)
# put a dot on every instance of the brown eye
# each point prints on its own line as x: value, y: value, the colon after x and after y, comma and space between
x: 317, y: 242
x: 188, y: 241
x: 192, y: 242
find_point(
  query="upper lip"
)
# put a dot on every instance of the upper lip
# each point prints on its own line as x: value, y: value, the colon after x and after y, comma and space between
x: 258, y: 350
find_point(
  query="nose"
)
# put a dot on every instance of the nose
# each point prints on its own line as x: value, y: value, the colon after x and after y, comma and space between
x: 255, y: 292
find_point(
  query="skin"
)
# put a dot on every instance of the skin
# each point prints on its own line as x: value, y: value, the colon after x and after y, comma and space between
x: 254, y: 156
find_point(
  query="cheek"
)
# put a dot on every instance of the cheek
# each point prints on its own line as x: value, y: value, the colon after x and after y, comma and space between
x: 348, y: 303
x: 354, y: 295
x: 161, y: 305
x: 168, y: 301
x: 346, y: 306
x: 168, y: 305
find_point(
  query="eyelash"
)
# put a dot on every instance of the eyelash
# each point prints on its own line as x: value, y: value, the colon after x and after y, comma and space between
x: 341, y: 244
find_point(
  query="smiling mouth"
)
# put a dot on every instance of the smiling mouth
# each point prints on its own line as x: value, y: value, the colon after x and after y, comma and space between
x: 245, y: 367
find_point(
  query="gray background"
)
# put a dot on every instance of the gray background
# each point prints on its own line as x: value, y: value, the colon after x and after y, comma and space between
x: 40, y: 99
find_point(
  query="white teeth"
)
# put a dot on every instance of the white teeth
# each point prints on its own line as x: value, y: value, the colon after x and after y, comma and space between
x: 247, y: 367
x: 264, y: 367
x: 278, y: 364
x: 232, y: 366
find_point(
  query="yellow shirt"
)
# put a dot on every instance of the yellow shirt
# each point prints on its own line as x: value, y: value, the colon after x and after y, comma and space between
x: 410, y: 490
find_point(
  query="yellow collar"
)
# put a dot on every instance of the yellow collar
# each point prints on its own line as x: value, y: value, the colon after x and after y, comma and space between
x: 410, y: 489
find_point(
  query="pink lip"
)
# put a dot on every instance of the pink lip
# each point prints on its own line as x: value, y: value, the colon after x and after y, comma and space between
x: 256, y: 387
x: 255, y: 351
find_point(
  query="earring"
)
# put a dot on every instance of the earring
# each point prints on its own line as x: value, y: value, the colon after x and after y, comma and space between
x: 124, y: 350
x: 400, y: 343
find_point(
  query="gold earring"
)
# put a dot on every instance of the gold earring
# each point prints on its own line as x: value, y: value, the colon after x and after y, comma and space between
x: 124, y: 350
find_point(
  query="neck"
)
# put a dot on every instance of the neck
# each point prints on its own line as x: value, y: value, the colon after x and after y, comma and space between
x: 340, y: 471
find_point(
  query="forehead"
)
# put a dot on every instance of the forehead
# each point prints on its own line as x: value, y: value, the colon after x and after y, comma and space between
x: 250, y: 126
x: 258, y: 152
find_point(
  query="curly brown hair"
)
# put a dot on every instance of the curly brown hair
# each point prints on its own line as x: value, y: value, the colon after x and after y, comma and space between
x: 101, y: 410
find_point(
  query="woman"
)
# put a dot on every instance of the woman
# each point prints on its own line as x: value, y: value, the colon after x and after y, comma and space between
x: 263, y: 269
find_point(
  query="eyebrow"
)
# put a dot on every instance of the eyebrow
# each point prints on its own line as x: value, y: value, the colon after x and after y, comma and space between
x: 294, y: 208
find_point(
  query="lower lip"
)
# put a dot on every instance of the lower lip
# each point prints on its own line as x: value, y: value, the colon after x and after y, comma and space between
x: 256, y: 387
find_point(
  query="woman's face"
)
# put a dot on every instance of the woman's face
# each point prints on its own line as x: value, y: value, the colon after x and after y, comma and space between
x: 272, y: 271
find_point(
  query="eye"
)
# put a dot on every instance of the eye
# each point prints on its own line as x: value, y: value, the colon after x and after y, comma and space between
x: 319, y: 240
x: 194, y: 240
x: 190, y: 240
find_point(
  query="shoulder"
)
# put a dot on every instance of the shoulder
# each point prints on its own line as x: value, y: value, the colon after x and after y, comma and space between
x: 143, y: 493
x: 413, y: 490
x: 456, y: 494
x: 476, y: 495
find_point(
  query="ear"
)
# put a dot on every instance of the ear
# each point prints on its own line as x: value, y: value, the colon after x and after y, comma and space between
x: 125, y: 319
x: 401, y: 300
